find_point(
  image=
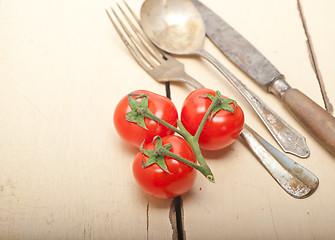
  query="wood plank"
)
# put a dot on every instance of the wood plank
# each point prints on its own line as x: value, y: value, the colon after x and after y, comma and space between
x: 65, y: 174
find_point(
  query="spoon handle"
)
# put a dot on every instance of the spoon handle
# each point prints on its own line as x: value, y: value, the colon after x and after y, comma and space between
x: 287, y: 137
x: 292, y: 177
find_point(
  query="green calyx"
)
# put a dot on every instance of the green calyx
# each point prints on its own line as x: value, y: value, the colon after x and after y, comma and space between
x: 156, y: 155
x: 222, y: 104
x: 160, y: 151
x: 136, y: 115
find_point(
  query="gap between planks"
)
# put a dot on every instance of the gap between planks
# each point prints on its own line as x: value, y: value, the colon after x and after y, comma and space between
x: 176, y: 216
x: 314, y: 62
x: 176, y: 213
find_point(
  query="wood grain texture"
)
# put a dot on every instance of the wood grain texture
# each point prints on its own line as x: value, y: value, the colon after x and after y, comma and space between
x: 64, y: 172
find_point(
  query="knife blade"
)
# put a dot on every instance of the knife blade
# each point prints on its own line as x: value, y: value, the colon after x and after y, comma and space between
x: 241, y: 52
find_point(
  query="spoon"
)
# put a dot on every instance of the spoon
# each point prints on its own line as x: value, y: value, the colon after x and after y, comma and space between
x: 177, y: 27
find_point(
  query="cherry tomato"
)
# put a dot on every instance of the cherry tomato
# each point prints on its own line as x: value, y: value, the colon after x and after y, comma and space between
x: 218, y: 132
x: 159, y: 183
x: 134, y: 134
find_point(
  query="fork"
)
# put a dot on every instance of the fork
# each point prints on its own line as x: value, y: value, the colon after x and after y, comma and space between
x: 292, y: 177
x: 162, y: 67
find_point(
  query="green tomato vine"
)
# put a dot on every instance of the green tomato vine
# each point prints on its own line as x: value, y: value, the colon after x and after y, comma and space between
x: 140, y: 111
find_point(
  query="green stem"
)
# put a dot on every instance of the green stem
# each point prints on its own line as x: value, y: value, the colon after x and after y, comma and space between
x: 204, y: 169
x: 148, y: 114
x: 183, y: 130
x: 192, y: 140
x: 214, y: 103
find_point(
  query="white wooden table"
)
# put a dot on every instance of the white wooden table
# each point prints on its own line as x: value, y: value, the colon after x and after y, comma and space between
x: 64, y: 172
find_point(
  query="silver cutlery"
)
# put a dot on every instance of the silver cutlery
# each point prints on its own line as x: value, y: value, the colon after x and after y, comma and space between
x: 292, y: 177
x: 237, y: 48
x: 176, y: 26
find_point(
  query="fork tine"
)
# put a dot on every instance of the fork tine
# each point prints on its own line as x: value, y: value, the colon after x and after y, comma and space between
x: 137, y: 43
x: 148, y: 44
x: 128, y: 45
x: 169, y: 69
x: 139, y: 35
x: 140, y: 42
x: 132, y: 12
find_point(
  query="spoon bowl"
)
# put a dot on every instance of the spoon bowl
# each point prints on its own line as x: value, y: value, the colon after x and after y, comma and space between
x: 175, y: 26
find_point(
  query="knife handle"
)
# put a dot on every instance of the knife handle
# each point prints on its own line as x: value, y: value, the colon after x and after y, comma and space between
x: 316, y: 119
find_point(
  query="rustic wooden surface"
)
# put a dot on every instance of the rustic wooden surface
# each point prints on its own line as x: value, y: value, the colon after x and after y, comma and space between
x: 64, y: 172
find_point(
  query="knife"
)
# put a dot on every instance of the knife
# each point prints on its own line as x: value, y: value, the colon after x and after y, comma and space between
x: 317, y: 120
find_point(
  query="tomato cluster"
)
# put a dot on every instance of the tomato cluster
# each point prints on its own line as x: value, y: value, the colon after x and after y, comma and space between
x: 161, y: 175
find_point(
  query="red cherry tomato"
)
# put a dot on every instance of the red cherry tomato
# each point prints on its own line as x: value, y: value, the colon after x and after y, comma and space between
x: 219, y: 132
x: 159, y: 183
x: 134, y: 134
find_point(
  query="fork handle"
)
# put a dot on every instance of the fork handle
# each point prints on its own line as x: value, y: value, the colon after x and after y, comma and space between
x: 184, y: 77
